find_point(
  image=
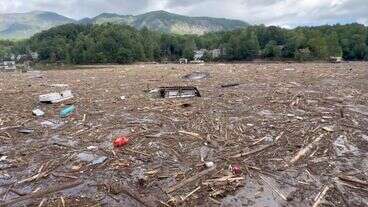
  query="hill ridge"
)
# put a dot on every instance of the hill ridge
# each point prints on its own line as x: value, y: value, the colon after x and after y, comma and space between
x: 36, y: 21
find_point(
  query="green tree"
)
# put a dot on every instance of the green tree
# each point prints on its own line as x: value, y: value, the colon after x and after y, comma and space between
x: 272, y: 50
x: 333, y: 46
x: 318, y: 47
x: 303, y: 54
x: 189, y: 47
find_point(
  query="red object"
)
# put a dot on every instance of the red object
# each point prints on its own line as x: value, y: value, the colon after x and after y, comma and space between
x: 235, y: 169
x: 120, y: 142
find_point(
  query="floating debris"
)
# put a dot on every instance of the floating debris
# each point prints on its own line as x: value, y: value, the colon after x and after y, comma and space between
x: 120, y: 142
x: 56, y: 97
x: 93, y: 159
x: 328, y: 128
x: 58, y: 85
x: 38, y: 112
x: 230, y: 85
x: 25, y: 131
x: 176, y: 92
x: 67, y: 111
x: 52, y: 124
x: 196, y: 76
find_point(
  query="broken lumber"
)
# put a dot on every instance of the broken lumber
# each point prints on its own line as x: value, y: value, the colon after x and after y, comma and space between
x: 305, y: 150
x: 353, y: 180
x: 252, y: 151
x: 320, y: 196
x: 191, y: 134
x: 191, y: 179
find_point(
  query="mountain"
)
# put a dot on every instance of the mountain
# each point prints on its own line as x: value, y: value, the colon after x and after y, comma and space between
x: 24, y: 25
x: 170, y: 23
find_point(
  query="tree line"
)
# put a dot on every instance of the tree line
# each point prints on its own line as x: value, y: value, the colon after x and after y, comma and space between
x: 112, y: 43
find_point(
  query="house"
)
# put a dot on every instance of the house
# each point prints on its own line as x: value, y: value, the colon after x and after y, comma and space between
x: 215, y: 53
x: 183, y: 61
x: 33, y: 57
x: 199, y: 54
x: 8, y: 65
x: 335, y: 59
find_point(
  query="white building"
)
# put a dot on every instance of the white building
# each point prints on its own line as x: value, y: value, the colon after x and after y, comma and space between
x: 198, y: 54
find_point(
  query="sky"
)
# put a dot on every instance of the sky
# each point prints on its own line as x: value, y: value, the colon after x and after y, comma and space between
x: 285, y: 13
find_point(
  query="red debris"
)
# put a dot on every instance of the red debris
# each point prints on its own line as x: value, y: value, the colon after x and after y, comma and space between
x: 120, y: 141
x: 235, y: 169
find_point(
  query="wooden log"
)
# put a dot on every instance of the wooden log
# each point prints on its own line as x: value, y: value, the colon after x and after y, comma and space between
x: 191, y: 179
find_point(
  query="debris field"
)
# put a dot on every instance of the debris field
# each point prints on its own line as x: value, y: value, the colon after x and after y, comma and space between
x: 260, y: 134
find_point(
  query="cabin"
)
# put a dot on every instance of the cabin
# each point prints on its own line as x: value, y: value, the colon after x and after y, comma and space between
x: 199, y: 54
x: 215, y: 53
x: 183, y: 61
x: 336, y: 59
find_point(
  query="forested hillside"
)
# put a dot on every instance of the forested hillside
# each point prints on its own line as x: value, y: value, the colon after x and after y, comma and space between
x: 112, y: 43
x: 24, y: 25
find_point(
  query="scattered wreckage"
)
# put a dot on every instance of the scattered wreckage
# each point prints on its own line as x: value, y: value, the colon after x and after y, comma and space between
x: 175, y: 92
x: 281, y: 138
x: 56, y: 97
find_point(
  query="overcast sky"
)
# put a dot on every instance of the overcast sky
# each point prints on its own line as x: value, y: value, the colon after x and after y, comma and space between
x: 287, y: 13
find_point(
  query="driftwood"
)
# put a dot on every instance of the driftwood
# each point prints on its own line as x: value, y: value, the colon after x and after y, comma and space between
x: 353, y: 180
x: 320, y: 196
x: 305, y: 150
x: 252, y: 151
x: 191, y: 193
x: 229, y: 178
x: 230, y: 85
x: 191, y: 179
x: 191, y: 134
x: 40, y: 194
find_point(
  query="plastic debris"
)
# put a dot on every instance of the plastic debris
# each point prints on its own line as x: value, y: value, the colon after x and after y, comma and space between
x: 328, y: 128
x: 209, y: 164
x: 92, y: 147
x: 235, y: 169
x: 67, y: 111
x: 120, y: 142
x: 38, y: 112
x: 3, y: 158
x: 196, y: 76
x: 60, y: 85
x: 56, y: 97
x: 51, y: 124
x: 25, y: 131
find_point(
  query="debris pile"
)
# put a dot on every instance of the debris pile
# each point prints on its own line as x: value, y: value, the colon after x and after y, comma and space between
x: 257, y: 135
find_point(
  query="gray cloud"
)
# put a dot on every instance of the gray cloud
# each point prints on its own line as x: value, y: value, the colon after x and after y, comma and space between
x: 270, y: 12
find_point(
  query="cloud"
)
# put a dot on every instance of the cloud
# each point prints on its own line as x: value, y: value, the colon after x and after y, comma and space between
x: 287, y: 13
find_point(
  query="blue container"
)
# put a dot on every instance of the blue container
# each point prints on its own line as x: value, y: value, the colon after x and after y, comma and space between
x: 67, y: 111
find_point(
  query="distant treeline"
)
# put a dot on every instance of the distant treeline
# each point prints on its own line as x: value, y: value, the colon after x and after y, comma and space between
x: 111, y: 43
